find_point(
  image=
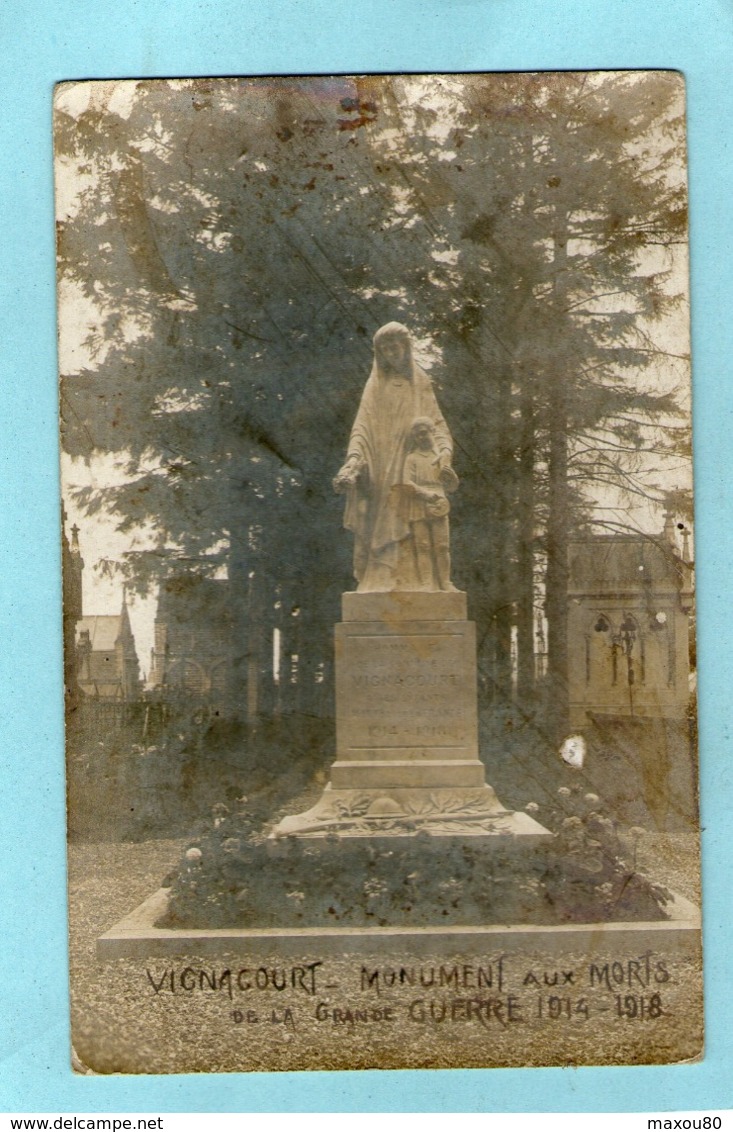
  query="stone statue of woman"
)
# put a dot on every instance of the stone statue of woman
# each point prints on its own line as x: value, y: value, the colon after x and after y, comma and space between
x: 379, y: 499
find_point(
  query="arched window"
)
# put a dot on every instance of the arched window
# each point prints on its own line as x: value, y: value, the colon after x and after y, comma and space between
x: 219, y: 678
x: 599, y: 651
x: 188, y: 676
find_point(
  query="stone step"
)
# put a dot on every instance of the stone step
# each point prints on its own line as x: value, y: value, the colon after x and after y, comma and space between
x: 406, y: 772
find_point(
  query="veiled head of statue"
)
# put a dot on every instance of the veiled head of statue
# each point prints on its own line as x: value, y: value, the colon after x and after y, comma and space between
x: 393, y: 350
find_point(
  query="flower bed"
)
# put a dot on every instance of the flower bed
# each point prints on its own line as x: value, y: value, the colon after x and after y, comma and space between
x: 235, y: 876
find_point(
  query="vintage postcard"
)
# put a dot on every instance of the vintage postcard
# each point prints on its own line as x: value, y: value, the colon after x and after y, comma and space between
x: 378, y: 572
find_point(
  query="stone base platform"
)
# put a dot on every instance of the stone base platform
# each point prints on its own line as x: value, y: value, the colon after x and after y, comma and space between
x: 405, y: 812
x: 137, y: 937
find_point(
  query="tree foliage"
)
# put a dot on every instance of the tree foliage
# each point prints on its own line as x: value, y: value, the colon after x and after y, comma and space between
x: 241, y: 241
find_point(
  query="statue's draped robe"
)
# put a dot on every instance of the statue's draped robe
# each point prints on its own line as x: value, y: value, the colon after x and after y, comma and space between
x: 374, y: 507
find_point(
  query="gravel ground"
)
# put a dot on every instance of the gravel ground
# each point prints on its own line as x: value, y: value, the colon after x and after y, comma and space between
x: 177, y: 1015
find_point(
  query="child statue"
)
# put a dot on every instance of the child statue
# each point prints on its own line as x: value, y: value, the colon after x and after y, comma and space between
x: 427, y: 482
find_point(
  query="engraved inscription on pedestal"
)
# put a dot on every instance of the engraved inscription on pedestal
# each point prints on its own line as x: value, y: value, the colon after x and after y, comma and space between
x: 406, y: 705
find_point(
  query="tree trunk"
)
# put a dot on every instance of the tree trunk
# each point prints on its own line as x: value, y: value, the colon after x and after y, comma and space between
x: 504, y: 490
x: 239, y: 599
x: 525, y: 549
x: 558, y: 519
x: 556, y: 596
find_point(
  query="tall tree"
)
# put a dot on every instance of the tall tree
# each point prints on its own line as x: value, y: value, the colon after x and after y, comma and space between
x: 563, y: 199
x: 242, y: 244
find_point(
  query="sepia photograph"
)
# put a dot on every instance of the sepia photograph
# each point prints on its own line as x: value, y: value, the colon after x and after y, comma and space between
x: 378, y: 572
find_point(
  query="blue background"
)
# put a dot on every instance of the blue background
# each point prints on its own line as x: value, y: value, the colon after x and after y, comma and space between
x: 76, y: 39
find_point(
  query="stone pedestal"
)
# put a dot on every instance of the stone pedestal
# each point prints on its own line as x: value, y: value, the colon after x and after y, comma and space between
x: 407, y: 726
